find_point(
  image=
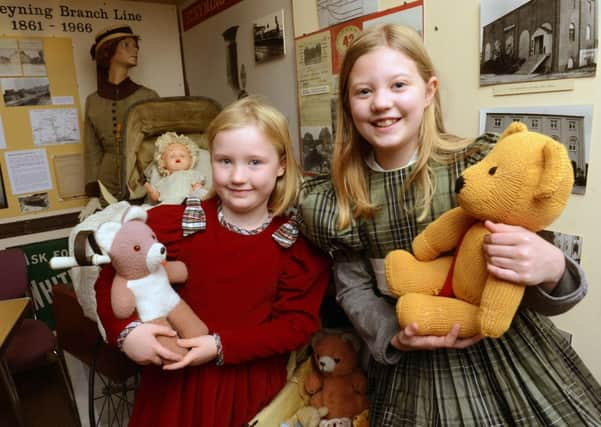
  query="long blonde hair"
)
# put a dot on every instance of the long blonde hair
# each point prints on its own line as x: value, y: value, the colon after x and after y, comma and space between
x: 348, y: 166
x: 252, y: 111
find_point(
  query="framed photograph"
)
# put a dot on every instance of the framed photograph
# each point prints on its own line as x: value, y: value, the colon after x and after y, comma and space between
x: 526, y: 40
x: 268, y: 35
x: 570, y: 124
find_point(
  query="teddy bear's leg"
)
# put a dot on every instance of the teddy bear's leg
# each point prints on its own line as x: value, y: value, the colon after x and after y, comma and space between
x: 186, y: 322
x: 435, y: 315
x: 168, y: 342
x: 500, y: 300
x: 405, y: 274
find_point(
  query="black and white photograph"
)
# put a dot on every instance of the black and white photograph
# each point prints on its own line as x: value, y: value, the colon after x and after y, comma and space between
x: 18, y: 92
x: 33, y: 202
x: 317, y: 147
x: 10, y: 60
x: 269, y: 37
x: 530, y: 40
x: 32, y: 57
x: 312, y: 54
x: 3, y: 204
x: 570, y: 124
x: 569, y: 244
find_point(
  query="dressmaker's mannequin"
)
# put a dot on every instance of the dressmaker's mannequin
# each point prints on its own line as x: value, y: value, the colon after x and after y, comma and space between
x: 115, y: 51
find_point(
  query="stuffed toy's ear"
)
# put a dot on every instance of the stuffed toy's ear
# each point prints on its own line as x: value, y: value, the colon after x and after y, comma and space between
x: 555, y: 170
x: 106, y: 234
x: 514, y: 127
x: 134, y: 213
x: 351, y: 338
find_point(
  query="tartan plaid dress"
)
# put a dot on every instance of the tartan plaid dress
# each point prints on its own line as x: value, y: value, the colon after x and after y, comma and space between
x: 528, y: 377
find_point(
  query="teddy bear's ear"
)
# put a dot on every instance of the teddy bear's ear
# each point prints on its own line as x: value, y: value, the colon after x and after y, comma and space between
x: 555, y: 170
x: 352, y: 338
x: 514, y: 127
x: 106, y: 234
x: 134, y: 213
x: 317, y: 337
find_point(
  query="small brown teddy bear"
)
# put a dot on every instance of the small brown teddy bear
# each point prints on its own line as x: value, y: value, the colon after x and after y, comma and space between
x: 525, y: 180
x: 336, y: 380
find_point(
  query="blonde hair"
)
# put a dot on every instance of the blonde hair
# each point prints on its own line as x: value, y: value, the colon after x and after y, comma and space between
x: 348, y: 167
x: 169, y: 138
x: 252, y: 111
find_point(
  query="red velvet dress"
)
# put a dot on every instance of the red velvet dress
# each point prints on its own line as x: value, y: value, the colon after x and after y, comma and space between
x: 261, y: 298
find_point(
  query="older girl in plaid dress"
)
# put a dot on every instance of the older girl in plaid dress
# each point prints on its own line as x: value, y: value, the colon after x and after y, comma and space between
x: 393, y: 172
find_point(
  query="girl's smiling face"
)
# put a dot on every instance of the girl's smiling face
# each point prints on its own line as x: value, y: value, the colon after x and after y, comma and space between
x: 387, y: 99
x: 246, y: 166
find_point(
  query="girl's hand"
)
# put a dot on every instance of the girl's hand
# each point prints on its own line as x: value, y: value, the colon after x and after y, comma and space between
x: 142, y: 347
x: 408, y: 340
x: 518, y: 255
x: 203, y: 349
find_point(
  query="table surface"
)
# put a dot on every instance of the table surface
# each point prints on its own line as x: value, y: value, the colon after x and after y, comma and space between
x: 11, y: 311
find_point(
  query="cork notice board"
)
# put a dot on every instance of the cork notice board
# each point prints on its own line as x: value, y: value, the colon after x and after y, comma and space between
x: 41, y: 128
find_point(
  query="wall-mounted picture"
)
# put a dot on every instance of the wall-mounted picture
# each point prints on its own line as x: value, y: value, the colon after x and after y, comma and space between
x: 10, y: 61
x: 569, y: 244
x: 32, y: 57
x: 526, y: 40
x: 269, y: 37
x: 25, y: 91
x: 571, y: 125
x: 317, y: 147
x: 33, y: 202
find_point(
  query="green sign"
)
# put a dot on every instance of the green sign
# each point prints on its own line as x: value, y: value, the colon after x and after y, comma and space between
x: 42, y: 278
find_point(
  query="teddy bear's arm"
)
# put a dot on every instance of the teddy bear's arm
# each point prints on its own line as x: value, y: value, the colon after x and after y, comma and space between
x: 176, y: 271
x: 442, y: 235
x: 359, y: 382
x: 313, y: 382
x: 123, y: 300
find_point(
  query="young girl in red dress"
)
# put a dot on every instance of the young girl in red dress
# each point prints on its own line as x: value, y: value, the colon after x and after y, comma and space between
x: 255, y: 282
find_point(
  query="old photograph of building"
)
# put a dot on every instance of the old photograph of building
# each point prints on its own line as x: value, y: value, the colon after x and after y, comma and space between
x: 25, y: 91
x: 269, y: 37
x: 571, y: 125
x: 317, y: 144
x: 525, y: 40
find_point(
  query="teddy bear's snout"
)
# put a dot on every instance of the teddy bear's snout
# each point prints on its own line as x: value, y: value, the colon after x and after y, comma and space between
x: 327, y: 364
x: 459, y: 184
x: 163, y: 250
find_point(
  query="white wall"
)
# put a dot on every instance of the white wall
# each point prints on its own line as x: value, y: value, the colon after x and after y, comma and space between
x: 205, y: 59
x: 454, y: 47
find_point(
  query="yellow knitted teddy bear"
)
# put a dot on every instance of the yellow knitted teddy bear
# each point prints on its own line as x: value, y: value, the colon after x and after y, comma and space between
x: 525, y: 180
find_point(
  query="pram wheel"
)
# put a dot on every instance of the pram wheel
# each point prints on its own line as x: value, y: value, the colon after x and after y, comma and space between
x: 110, y: 399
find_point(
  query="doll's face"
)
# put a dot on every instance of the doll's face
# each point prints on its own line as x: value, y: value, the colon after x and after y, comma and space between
x: 177, y: 158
